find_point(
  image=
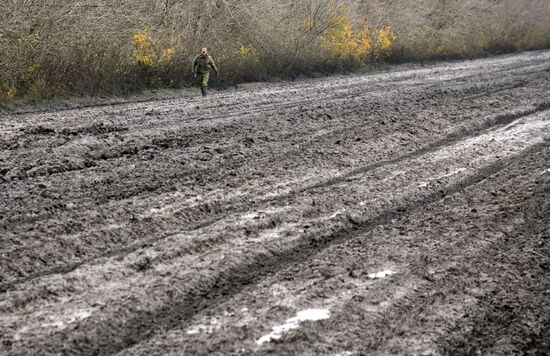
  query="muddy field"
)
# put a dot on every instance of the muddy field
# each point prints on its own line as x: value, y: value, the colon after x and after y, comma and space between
x: 406, y: 211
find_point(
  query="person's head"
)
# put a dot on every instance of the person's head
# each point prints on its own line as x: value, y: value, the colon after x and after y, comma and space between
x: 204, y: 52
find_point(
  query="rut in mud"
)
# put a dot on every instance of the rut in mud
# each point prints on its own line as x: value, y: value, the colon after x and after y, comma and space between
x: 406, y: 211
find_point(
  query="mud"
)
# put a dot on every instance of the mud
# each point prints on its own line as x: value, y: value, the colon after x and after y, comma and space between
x: 404, y: 211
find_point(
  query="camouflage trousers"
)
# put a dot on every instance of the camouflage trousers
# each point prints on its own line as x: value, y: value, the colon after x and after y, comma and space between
x: 204, y: 77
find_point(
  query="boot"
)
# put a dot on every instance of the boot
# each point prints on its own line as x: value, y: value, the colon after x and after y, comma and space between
x: 203, y: 91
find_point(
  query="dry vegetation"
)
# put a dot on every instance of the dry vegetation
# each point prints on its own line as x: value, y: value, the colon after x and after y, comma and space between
x: 52, y: 47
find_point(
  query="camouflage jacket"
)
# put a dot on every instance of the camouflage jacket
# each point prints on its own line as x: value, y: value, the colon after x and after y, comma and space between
x: 203, y: 64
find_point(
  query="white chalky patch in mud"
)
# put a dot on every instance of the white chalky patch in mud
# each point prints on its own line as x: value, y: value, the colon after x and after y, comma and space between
x: 64, y: 321
x: 289, y: 231
x: 250, y: 216
x: 166, y: 212
x: 381, y: 274
x: 270, y: 234
x: 209, y: 328
x: 293, y: 323
x: 339, y: 212
x: 193, y: 331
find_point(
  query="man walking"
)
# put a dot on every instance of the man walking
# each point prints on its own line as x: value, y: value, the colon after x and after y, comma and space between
x: 201, y: 65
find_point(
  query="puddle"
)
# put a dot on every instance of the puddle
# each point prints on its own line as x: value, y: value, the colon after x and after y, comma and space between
x: 381, y: 274
x: 294, y: 323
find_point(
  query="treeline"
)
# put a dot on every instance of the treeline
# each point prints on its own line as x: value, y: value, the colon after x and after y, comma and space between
x: 58, y: 47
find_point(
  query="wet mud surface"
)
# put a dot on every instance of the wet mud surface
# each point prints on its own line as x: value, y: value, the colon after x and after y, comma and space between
x: 404, y: 212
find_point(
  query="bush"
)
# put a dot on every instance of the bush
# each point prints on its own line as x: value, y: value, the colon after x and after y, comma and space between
x: 94, y: 46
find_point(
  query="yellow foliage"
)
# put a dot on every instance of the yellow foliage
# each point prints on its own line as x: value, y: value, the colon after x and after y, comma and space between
x: 33, y: 69
x: 308, y: 23
x: 365, y: 43
x: 342, y: 40
x: 32, y: 40
x: 9, y: 89
x: 147, y: 54
x: 144, y: 50
x: 12, y: 92
x: 386, y: 37
x: 247, y: 51
x: 168, y: 54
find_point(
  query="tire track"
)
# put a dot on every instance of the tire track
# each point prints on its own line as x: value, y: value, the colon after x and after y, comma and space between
x: 134, y: 150
x: 210, y: 291
x: 496, y: 122
x: 424, y: 275
x: 125, y: 151
x: 202, y: 279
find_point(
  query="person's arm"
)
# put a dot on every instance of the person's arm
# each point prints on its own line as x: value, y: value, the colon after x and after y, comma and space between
x: 213, y: 65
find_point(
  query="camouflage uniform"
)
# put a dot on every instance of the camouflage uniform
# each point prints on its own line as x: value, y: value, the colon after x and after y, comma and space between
x: 201, y: 66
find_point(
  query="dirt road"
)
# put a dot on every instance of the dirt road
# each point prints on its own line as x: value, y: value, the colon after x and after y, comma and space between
x: 405, y: 212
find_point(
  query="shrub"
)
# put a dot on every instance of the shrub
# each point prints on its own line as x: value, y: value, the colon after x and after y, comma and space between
x: 94, y: 46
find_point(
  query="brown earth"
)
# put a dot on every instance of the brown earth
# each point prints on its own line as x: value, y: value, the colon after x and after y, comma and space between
x: 410, y: 207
